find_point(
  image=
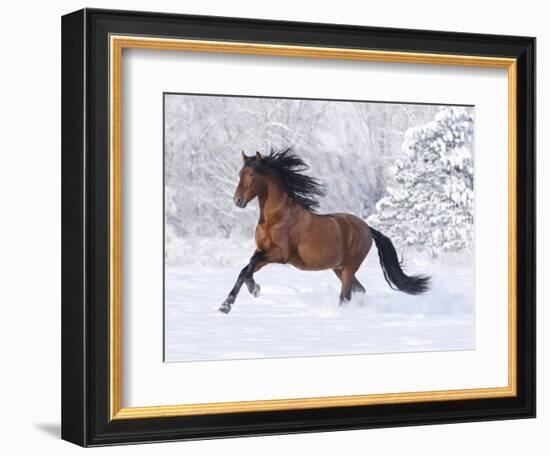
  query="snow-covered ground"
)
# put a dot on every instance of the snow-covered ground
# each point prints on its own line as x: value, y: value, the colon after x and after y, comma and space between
x: 297, y: 313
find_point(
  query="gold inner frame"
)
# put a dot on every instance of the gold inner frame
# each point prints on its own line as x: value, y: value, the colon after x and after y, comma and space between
x: 117, y: 44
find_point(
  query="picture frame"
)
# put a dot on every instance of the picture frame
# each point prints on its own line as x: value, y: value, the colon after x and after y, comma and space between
x: 93, y: 42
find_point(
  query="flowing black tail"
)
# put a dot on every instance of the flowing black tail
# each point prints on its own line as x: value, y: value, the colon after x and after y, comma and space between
x: 391, y: 267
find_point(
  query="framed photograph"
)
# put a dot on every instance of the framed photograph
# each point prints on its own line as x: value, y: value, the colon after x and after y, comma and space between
x: 279, y: 227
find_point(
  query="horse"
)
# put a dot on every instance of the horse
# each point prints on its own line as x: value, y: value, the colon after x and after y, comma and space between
x: 290, y: 231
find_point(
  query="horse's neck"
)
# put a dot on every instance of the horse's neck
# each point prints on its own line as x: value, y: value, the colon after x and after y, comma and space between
x: 274, y: 202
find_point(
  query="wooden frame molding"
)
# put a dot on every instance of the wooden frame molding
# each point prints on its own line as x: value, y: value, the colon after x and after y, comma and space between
x: 116, y: 46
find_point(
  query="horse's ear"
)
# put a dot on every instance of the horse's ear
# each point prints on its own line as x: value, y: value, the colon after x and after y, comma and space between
x: 258, y: 156
x: 244, y: 156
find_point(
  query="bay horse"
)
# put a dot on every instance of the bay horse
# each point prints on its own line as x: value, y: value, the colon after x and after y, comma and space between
x: 290, y: 231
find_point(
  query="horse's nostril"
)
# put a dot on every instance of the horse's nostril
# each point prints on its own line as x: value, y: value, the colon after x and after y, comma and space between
x: 240, y: 202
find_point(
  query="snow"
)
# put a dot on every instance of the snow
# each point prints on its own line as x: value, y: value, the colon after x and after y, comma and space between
x: 297, y: 312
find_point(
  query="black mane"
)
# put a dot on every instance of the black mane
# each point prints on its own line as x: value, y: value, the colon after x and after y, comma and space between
x: 289, y: 167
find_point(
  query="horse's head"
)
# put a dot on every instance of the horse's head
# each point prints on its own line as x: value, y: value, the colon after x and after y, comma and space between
x: 251, y: 181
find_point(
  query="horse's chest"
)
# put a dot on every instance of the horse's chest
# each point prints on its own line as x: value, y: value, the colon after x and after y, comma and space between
x: 267, y: 236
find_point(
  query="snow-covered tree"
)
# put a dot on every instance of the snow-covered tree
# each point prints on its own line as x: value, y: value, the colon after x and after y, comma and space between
x: 431, y: 202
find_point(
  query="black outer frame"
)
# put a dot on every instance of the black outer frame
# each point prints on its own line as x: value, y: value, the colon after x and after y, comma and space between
x: 85, y: 227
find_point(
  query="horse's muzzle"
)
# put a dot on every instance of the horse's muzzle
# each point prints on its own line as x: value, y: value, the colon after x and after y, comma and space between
x: 239, y: 202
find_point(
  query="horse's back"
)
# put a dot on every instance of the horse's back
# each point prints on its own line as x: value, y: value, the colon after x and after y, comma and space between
x: 356, y: 235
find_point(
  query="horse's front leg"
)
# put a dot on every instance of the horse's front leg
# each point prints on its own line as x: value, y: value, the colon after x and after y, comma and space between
x: 245, y: 276
x: 257, y: 262
x: 253, y: 287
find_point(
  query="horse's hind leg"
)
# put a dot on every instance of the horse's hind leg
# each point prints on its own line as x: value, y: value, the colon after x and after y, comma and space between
x: 345, y: 292
x: 356, y: 286
x: 347, y: 278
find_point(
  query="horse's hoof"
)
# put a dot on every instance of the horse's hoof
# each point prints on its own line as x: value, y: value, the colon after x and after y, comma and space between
x: 256, y: 290
x: 224, y: 309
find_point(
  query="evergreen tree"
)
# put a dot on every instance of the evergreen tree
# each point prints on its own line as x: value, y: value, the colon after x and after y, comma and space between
x: 431, y: 204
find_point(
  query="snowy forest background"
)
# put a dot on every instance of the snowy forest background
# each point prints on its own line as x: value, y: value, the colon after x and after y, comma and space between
x: 407, y: 169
